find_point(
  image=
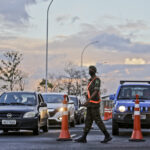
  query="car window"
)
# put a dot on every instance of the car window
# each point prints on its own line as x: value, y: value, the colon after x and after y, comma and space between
x: 18, y: 98
x: 130, y: 92
x: 53, y: 98
x: 75, y: 100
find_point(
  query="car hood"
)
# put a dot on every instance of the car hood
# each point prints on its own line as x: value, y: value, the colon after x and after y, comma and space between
x: 54, y: 105
x: 16, y: 108
x: 131, y: 103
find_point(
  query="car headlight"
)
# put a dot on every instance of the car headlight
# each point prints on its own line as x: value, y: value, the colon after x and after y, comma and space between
x: 30, y: 114
x: 61, y: 109
x: 122, y: 108
x: 76, y: 112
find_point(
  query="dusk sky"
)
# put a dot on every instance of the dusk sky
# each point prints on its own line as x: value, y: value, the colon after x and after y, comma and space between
x: 121, y: 27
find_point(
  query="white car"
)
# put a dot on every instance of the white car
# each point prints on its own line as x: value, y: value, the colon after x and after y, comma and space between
x: 55, y: 109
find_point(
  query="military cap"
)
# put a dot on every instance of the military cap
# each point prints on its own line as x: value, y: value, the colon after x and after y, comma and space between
x: 93, y: 68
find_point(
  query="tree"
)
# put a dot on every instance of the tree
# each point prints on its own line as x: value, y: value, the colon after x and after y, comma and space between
x: 56, y: 80
x: 54, y: 84
x: 68, y: 82
x: 10, y: 74
x: 21, y: 80
x: 73, y: 75
x: 42, y: 85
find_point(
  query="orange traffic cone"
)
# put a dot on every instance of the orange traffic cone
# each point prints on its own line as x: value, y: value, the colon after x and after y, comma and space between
x: 106, y: 113
x: 137, y: 134
x: 64, y: 135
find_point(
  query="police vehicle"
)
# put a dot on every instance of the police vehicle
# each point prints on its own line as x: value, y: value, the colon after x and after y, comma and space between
x: 124, y: 102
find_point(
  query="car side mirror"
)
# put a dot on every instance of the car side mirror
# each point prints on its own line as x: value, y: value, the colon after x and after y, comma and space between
x: 112, y: 97
x: 43, y: 105
x: 71, y: 102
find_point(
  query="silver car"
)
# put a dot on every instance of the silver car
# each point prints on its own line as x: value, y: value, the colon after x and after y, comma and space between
x: 55, y: 109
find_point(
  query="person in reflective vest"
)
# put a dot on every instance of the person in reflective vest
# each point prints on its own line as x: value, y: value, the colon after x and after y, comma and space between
x: 93, y: 105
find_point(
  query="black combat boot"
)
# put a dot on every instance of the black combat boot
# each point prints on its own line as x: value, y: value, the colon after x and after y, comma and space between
x: 107, y: 138
x: 82, y: 139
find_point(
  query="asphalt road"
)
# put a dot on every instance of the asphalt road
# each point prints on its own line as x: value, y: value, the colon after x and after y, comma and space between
x: 24, y: 140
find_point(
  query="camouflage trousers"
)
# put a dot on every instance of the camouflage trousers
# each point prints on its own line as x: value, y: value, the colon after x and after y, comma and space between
x: 93, y: 114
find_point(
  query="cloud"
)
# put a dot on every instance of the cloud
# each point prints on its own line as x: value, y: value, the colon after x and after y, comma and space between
x: 112, y: 74
x: 135, y: 61
x: 139, y: 24
x: 62, y: 18
x: 120, y: 43
x: 15, y: 10
x: 74, y: 19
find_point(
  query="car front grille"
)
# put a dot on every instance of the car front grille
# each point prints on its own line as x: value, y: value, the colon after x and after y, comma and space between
x: 10, y: 115
x: 142, y: 109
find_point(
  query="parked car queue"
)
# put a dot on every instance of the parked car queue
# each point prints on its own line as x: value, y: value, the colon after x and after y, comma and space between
x: 34, y: 111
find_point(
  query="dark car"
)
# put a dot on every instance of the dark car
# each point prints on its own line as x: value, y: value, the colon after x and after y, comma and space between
x: 80, y: 112
x: 23, y: 110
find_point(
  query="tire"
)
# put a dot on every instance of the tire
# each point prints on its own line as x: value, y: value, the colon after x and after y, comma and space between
x: 83, y: 119
x: 115, y: 128
x: 72, y: 124
x: 79, y: 121
x: 45, y: 128
x: 36, y: 130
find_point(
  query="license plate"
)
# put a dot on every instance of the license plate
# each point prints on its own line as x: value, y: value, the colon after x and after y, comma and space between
x: 141, y: 116
x: 8, y: 122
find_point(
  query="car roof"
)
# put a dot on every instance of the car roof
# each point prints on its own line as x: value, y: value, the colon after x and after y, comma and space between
x: 54, y: 93
x: 20, y: 92
x: 131, y: 84
x: 72, y: 96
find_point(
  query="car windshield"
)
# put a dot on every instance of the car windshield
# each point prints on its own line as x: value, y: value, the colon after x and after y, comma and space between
x: 53, y: 98
x: 75, y: 100
x: 18, y: 98
x: 130, y: 92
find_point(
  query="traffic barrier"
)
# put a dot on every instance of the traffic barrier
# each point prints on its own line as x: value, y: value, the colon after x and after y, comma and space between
x: 64, y: 134
x: 106, y: 113
x: 105, y: 103
x: 137, y: 134
x: 110, y: 112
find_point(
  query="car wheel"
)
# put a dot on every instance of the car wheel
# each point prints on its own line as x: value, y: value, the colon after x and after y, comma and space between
x: 83, y: 120
x: 72, y: 124
x: 115, y: 128
x: 5, y: 130
x: 45, y: 128
x: 36, y: 130
x: 79, y: 121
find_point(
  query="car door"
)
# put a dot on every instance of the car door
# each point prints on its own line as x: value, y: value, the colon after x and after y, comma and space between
x: 42, y: 110
x: 71, y: 108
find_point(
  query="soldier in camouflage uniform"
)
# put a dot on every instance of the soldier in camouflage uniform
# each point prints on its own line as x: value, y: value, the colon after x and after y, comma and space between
x: 93, y: 104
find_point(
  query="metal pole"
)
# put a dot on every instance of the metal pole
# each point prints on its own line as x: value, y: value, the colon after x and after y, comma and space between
x: 82, y: 63
x: 46, y: 76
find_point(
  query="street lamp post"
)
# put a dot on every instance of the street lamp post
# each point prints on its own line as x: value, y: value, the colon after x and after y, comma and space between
x: 46, y: 75
x: 91, y: 43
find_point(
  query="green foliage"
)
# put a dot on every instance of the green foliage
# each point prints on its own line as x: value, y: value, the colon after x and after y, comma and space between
x: 10, y: 74
x: 42, y: 84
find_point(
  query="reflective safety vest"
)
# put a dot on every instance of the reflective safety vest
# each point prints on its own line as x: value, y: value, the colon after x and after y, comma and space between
x: 92, y: 101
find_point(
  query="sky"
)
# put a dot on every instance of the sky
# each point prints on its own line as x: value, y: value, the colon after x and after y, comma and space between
x: 122, y: 29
